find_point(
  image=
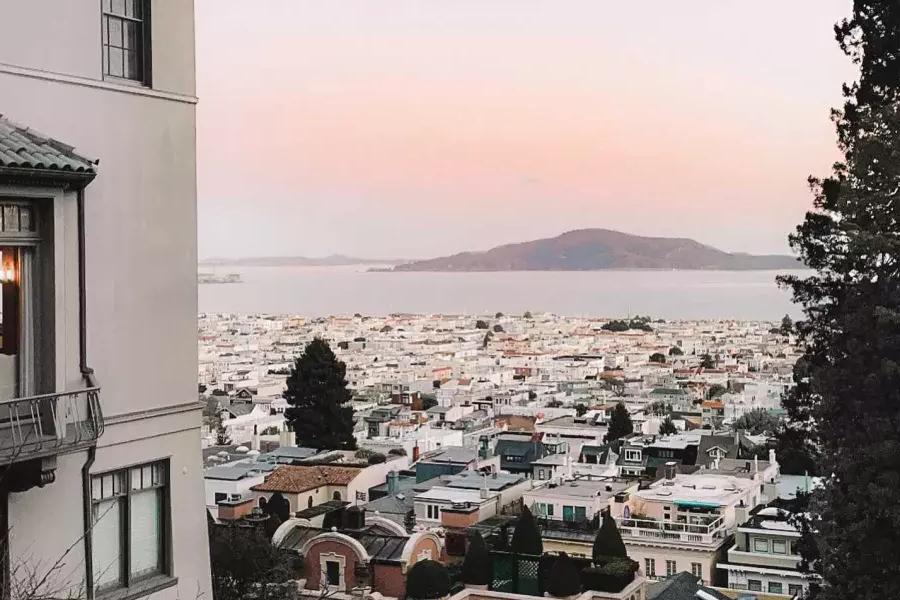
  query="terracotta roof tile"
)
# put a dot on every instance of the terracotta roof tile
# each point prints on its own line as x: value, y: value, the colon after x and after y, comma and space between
x: 296, y: 479
x: 25, y: 148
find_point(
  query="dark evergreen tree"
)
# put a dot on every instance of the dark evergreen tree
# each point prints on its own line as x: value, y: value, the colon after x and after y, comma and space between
x: 427, y: 580
x: 241, y: 557
x: 787, y: 325
x: 278, y: 505
x: 476, y: 569
x: 658, y: 357
x: 608, y: 544
x: 619, y: 423
x: 846, y: 404
x: 409, y: 521
x: 675, y: 351
x: 526, y: 538
x: 564, y: 578
x: 707, y: 362
x: 667, y: 427
x: 317, y: 392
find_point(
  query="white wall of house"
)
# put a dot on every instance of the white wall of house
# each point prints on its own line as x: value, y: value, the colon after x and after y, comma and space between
x: 141, y: 266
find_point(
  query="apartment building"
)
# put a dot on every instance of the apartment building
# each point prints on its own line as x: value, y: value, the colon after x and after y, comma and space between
x: 99, y: 423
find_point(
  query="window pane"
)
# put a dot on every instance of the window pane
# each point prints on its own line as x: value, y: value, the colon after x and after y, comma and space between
x: 132, y: 35
x: 132, y: 65
x: 145, y: 529
x: 25, y: 220
x: 136, y: 9
x: 118, y: 7
x: 107, y: 541
x: 114, y: 29
x: 10, y: 218
x: 136, y: 478
x: 115, y: 62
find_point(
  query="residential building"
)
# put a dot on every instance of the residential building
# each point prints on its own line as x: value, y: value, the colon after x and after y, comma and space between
x: 100, y: 298
x: 764, y: 557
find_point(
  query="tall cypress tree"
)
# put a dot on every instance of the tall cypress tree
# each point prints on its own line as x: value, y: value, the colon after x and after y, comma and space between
x: 317, y: 392
x: 619, y: 423
x: 846, y: 405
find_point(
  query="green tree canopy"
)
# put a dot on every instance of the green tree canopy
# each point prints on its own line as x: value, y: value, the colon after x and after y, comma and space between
x: 707, y: 361
x: 526, y: 537
x: 427, y: 580
x: 564, y: 578
x: 608, y: 543
x: 846, y: 401
x: 667, y: 427
x: 317, y: 394
x: 243, y: 556
x: 619, y: 423
x: 477, y: 569
x: 787, y: 325
x: 658, y: 357
x: 675, y: 351
x: 756, y: 422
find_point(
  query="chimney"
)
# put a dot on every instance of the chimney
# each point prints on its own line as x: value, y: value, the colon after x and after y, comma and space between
x: 670, y: 470
x: 254, y: 441
x: 483, y: 493
x: 393, y: 483
x: 415, y: 453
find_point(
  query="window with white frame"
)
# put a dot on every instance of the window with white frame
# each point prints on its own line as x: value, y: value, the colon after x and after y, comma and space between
x: 129, y: 512
x: 433, y: 511
x: 754, y: 585
x: 332, y: 570
x: 779, y: 547
x: 760, y: 545
x: 775, y: 587
x: 697, y: 570
x: 650, y: 567
x: 633, y: 455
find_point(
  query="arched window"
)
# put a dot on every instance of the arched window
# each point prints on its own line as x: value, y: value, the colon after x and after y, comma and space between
x: 336, y: 496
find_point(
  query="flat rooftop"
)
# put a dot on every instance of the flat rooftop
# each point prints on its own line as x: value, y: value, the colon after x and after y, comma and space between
x: 699, y: 489
x: 582, y: 489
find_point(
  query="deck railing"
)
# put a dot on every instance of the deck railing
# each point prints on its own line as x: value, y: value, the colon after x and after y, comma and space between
x: 693, y: 533
x: 47, y: 424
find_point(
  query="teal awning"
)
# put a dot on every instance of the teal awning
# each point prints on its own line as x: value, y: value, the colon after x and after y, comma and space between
x: 696, y: 504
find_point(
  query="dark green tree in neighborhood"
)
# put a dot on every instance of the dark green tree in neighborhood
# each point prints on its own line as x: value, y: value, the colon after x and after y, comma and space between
x: 756, y: 422
x: 608, y: 542
x: 619, y: 423
x: 846, y: 404
x: 707, y: 362
x: 787, y: 325
x: 241, y: 557
x: 564, y: 579
x: 318, y: 396
x: 667, y: 427
x: 526, y: 538
x: 658, y: 357
x: 476, y: 569
x: 675, y: 351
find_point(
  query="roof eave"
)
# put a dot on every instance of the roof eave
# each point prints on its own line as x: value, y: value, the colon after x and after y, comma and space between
x: 69, y: 180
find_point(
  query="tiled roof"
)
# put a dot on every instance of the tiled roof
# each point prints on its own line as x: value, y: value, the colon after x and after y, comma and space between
x: 296, y: 479
x: 25, y: 148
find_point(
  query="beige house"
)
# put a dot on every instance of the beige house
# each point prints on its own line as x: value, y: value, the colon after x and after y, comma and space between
x: 99, y: 424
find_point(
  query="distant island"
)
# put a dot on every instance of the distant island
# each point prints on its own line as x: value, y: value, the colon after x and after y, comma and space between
x: 597, y: 249
x: 333, y: 260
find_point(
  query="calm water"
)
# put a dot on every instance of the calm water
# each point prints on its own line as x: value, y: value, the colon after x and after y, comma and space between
x: 318, y: 291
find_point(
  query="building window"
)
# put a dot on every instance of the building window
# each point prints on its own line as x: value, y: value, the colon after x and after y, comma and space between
x: 540, y: 474
x: 633, y: 455
x: 549, y: 509
x: 130, y: 510
x: 760, y: 545
x: 754, y: 585
x: 775, y: 587
x: 126, y: 39
x: 221, y: 497
x: 332, y: 570
x: 795, y: 590
x: 697, y: 570
x: 433, y: 511
x: 779, y: 547
x: 671, y: 568
x: 650, y: 567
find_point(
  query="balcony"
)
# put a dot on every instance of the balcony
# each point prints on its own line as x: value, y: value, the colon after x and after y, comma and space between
x: 788, y: 562
x: 651, y: 530
x: 43, y: 426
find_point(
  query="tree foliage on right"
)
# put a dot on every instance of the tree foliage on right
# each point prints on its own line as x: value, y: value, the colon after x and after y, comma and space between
x: 317, y: 392
x: 619, y: 423
x: 845, y: 406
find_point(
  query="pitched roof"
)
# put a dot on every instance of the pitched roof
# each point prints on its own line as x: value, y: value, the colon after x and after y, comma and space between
x: 25, y: 148
x: 292, y: 479
x: 681, y: 586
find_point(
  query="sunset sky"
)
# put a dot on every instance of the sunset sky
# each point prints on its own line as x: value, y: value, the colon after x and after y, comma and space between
x: 416, y: 128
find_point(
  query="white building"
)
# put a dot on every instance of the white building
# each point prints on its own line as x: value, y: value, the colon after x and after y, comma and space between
x: 100, y: 265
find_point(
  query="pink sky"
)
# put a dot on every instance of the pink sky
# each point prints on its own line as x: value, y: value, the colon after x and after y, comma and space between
x: 423, y: 127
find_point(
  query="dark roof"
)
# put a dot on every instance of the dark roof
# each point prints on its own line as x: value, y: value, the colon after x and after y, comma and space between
x: 320, y: 509
x: 681, y: 586
x: 529, y: 451
x: 25, y: 148
x: 380, y: 547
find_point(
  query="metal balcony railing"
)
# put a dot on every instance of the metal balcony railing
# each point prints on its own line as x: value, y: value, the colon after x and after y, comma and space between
x: 48, y: 424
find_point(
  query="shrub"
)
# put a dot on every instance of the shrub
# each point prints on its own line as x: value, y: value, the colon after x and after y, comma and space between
x: 608, y: 544
x: 427, y: 580
x: 611, y: 577
x: 564, y: 578
x: 526, y: 538
x: 397, y: 452
x: 476, y: 569
x: 377, y: 459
